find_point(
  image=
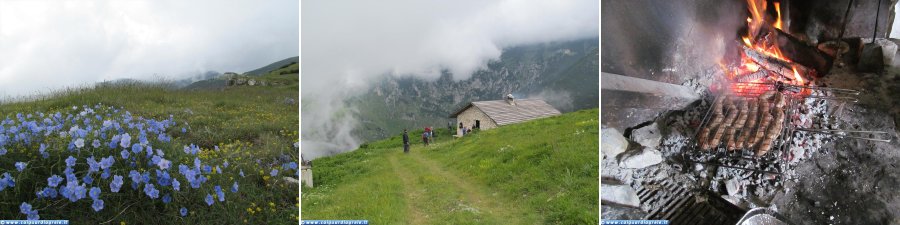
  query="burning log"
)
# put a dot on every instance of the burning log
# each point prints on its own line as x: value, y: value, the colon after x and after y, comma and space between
x: 714, y: 121
x: 777, y: 66
x: 738, y: 124
x: 729, y: 119
x: 761, y: 73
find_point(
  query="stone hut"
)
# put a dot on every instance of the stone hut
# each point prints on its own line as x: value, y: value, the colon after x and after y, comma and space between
x: 490, y: 114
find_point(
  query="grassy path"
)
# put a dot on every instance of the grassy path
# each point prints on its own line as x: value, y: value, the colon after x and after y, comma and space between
x: 435, y: 195
x: 412, y: 195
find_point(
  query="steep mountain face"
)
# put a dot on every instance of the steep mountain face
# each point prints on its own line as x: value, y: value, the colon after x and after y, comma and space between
x: 566, y: 75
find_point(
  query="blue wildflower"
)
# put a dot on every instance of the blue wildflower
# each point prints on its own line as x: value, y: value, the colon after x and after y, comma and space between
x: 116, y: 184
x: 196, y: 162
x: 163, y: 178
x: 70, y: 162
x: 49, y: 192
x: 146, y: 177
x: 79, y: 143
x: 2, y: 151
x: 135, y: 176
x: 155, y: 159
x: 107, y: 162
x: 151, y: 191
x: 209, y: 199
x: 242, y: 173
x: 166, y: 198
x: 176, y: 185
x: 290, y: 165
x: 274, y: 172
x: 125, y: 140
x: 114, y: 142
x: 93, y: 165
x: 105, y: 173
x: 43, y: 151
x: 207, y: 169
x: 125, y: 154
x: 33, y: 215
x: 219, y: 171
x: 164, y: 164
x: 183, y: 211
x: 94, y: 193
x: 98, y: 205
x: 21, y: 166
x: 25, y: 208
x: 87, y: 179
x: 220, y: 193
x: 96, y: 143
x: 54, y: 180
x: 225, y: 164
x: 195, y: 183
x: 137, y: 148
x: 234, y: 187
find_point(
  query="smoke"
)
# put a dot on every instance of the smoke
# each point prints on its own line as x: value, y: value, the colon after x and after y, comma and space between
x: 348, y: 44
x: 561, y: 100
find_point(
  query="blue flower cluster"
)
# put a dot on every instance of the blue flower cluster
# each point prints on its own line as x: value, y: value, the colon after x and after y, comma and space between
x: 100, y: 146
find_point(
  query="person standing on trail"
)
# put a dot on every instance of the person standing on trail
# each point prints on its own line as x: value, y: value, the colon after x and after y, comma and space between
x: 425, y: 138
x: 405, y: 142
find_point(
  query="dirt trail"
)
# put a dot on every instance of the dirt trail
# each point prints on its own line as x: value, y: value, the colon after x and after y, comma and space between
x: 412, y: 194
x: 415, y: 168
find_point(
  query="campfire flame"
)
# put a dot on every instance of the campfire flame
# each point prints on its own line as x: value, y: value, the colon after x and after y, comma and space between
x: 746, y: 71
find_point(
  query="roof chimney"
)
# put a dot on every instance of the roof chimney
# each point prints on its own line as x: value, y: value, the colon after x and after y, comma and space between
x: 510, y: 99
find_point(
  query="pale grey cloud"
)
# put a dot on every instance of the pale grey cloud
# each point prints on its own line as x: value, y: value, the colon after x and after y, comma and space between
x: 48, y: 44
x: 347, y: 44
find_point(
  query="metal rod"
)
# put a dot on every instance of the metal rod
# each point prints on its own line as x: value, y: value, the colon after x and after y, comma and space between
x: 875, y: 32
x: 829, y: 132
x: 848, y: 99
x: 844, y: 23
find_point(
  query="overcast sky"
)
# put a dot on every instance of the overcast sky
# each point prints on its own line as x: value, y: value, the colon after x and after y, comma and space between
x: 49, y: 44
x: 349, y: 43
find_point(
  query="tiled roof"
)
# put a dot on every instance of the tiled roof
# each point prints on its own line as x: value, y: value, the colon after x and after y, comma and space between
x: 503, y: 113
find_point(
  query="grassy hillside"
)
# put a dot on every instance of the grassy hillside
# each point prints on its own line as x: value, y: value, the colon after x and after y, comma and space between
x: 274, y: 66
x: 538, y: 172
x: 253, y: 129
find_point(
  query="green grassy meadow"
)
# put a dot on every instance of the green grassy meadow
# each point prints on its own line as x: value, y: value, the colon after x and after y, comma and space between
x: 538, y: 172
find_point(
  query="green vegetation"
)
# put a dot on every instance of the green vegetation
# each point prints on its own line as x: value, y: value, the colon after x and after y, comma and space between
x: 539, y: 172
x: 254, y: 127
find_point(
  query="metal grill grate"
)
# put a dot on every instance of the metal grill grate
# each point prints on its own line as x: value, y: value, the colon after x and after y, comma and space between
x: 671, y: 202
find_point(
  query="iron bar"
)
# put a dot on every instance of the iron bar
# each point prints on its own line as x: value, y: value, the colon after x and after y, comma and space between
x: 829, y: 132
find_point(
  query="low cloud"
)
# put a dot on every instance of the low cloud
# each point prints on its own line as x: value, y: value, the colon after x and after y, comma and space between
x: 348, y: 44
